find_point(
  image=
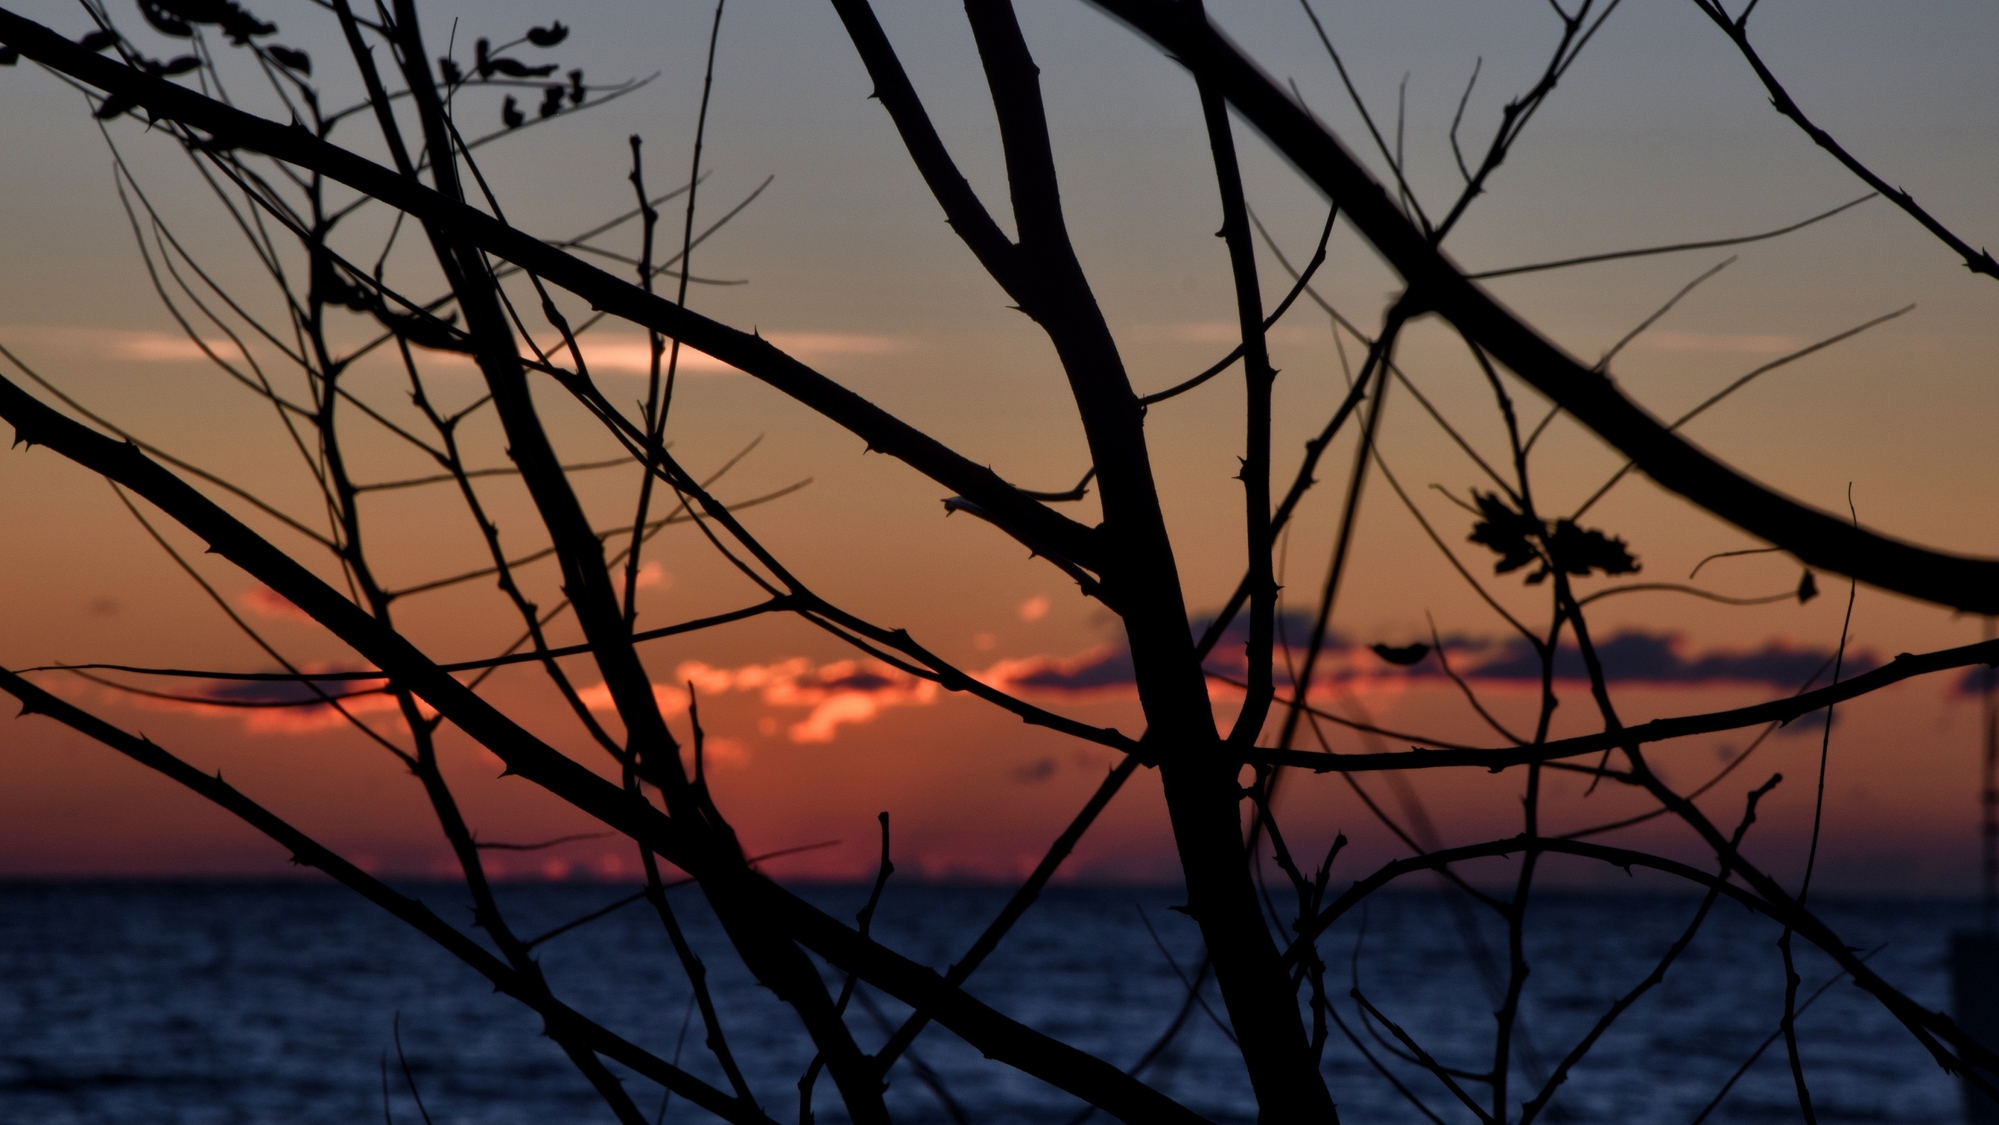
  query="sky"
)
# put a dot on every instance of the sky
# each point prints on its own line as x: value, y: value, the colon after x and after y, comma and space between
x: 1659, y: 134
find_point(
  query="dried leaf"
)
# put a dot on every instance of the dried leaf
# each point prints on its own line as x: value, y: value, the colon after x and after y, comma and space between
x: 98, y: 40
x: 175, y: 17
x: 1519, y: 539
x: 1509, y: 534
x: 1579, y: 550
x: 548, y: 36
x: 291, y: 59
x: 164, y: 21
x: 114, y: 103
x: 1403, y: 655
x: 1808, y: 588
x: 515, y: 69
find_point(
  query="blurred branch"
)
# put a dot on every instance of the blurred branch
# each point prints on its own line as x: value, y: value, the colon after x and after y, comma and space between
x: 1819, y: 538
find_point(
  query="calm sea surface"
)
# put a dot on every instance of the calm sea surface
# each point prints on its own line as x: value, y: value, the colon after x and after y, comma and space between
x: 224, y: 1002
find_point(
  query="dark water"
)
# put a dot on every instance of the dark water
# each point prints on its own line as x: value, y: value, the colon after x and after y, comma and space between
x: 276, y: 1003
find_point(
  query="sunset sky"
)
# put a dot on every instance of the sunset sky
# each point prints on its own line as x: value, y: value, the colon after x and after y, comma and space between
x: 1659, y: 134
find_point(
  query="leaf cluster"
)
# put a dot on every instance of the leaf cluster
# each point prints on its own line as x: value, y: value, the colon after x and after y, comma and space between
x: 1556, y: 546
x: 178, y: 17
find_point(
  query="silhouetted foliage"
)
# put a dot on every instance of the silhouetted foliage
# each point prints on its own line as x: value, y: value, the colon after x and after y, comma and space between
x: 650, y: 788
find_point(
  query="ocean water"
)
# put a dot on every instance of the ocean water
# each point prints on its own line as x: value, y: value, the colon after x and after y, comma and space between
x: 284, y: 1002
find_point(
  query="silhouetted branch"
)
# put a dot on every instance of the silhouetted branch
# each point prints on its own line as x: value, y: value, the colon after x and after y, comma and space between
x: 1904, y: 666
x: 744, y: 351
x: 1737, y: 30
x: 1672, y: 248
x: 534, y: 760
x: 1816, y: 537
x: 309, y: 852
x: 1302, y: 278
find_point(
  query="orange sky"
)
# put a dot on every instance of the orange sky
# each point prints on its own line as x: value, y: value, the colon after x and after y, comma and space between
x: 1658, y: 136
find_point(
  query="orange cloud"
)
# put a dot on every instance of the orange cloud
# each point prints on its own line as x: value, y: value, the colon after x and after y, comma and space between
x: 268, y: 603
x: 625, y: 353
x: 654, y: 576
x: 671, y: 700
x: 606, y: 352
x: 73, y: 341
x: 320, y: 717
x: 840, y: 693
x: 1103, y: 672
x: 284, y: 707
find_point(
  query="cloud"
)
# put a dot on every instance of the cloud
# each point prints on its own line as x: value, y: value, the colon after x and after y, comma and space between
x: 654, y: 576
x: 282, y: 706
x: 848, y: 693
x: 268, y: 603
x: 625, y: 353
x: 834, y: 695
x: 281, y: 692
x: 77, y: 342
x: 1035, y: 772
x: 1106, y: 671
x: 1102, y: 672
x: 163, y: 347
x: 842, y: 693
x: 720, y: 750
x: 670, y: 699
x: 1634, y: 657
x: 1640, y: 657
x: 317, y: 718
x: 1972, y: 682
x: 819, y: 345
x: 619, y: 353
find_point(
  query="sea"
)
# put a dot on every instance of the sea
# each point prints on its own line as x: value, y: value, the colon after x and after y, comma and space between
x: 299, y: 1003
